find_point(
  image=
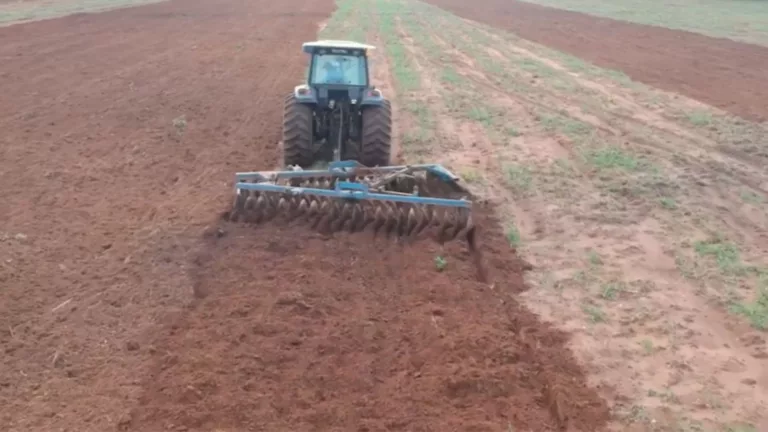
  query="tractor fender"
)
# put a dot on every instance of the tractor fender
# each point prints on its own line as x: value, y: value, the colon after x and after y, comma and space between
x: 305, y: 94
x: 372, y: 97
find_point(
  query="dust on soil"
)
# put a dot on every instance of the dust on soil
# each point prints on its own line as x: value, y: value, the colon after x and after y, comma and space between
x: 723, y: 73
x: 121, y: 133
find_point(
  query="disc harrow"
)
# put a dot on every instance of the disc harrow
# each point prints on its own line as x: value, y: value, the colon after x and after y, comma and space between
x: 406, y: 201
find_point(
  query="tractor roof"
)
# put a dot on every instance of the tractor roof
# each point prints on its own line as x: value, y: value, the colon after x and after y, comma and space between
x: 311, y: 47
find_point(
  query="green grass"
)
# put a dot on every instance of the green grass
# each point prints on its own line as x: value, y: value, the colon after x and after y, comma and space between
x: 756, y: 311
x: 612, y: 290
x: 742, y: 20
x: 725, y: 254
x: 740, y: 428
x: 449, y: 76
x: 471, y: 175
x: 513, y: 235
x: 569, y: 126
x: 668, y: 203
x: 519, y: 177
x: 700, y: 118
x: 32, y: 11
x: 482, y: 115
x: 647, y: 346
x: 610, y: 157
x: 440, y: 263
x: 595, y: 314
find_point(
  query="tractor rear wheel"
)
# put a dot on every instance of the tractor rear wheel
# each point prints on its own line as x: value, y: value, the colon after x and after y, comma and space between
x: 297, y: 133
x: 376, y: 142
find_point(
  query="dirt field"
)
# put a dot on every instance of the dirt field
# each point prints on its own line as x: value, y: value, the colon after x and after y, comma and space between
x: 122, y: 308
x: 720, y: 72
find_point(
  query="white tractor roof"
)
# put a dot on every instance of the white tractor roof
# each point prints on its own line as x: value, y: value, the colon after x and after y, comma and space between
x: 327, y: 43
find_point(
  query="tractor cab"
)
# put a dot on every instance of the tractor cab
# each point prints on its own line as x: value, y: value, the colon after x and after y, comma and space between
x: 338, y: 71
x: 336, y: 114
x: 338, y: 63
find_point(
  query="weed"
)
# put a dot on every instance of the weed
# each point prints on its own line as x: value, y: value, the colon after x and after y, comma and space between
x: 610, y: 157
x: 512, y: 131
x: 612, y: 290
x: 481, y: 114
x: 594, y: 259
x: 571, y: 127
x: 743, y: 427
x: 180, y: 124
x: 450, y: 76
x: 596, y: 315
x: 513, y: 235
x: 537, y: 67
x: 725, y: 254
x: 757, y: 311
x: 668, y: 203
x: 519, y: 177
x: 440, y: 263
x: 471, y: 175
x: 637, y: 414
x: 699, y: 118
x: 751, y: 197
x: 647, y: 346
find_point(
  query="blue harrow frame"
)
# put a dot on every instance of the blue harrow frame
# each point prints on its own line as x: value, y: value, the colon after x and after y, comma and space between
x: 346, y: 186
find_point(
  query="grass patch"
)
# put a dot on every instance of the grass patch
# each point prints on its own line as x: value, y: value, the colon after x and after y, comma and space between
x: 512, y: 131
x: 570, y: 127
x: 756, y: 312
x: 450, y: 76
x: 513, y: 235
x: 611, y: 157
x: 440, y: 263
x: 537, y: 67
x: 725, y: 254
x: 743, y: 427
x: 699, y: 118
x: 471, y: 175
x: 647, y: 346
x: 595, y: 314
x: 519, y: 177
x: 668, y: 203
x: 752, y: 197
x: 481, y: 115
x: 594, y: 259
x: 612, y: 290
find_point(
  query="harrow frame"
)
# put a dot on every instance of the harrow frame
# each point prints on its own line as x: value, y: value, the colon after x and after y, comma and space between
x: 266, y: 181
x: 402, y: 199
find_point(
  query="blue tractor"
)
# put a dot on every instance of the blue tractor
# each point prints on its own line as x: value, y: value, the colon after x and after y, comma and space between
x: 340, y: 118
x: 337, y: 114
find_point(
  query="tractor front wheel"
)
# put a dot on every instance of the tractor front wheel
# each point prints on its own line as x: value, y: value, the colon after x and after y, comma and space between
x: 297, y: 133
x: 376, y: 142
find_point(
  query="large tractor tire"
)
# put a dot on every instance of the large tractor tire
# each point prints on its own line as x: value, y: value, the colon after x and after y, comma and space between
x: 298, y: 133
x: 376, y: 142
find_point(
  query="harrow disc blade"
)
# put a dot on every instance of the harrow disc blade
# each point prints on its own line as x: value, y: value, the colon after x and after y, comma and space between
x: 404, y: 201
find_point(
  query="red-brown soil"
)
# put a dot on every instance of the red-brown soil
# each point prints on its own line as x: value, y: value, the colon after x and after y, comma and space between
x: 720, y: 72
x: 110, y: 210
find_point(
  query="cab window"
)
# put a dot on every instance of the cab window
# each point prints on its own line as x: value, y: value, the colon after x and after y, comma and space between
x: 339, y: 69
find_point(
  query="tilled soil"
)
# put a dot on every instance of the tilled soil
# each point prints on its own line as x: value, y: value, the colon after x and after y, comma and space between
x: 720, y: 72
x: 124, y: 307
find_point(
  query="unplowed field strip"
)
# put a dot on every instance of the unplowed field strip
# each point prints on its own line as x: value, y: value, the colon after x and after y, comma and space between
x: 720, y: 72
x: 121, y: 135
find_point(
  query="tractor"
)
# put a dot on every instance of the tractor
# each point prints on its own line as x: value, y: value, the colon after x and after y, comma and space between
x: 337, y: 115
x: 340, y: 118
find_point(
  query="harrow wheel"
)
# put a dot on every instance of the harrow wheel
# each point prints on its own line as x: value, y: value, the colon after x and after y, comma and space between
x: 297, y: 133
x: 376, y: 140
